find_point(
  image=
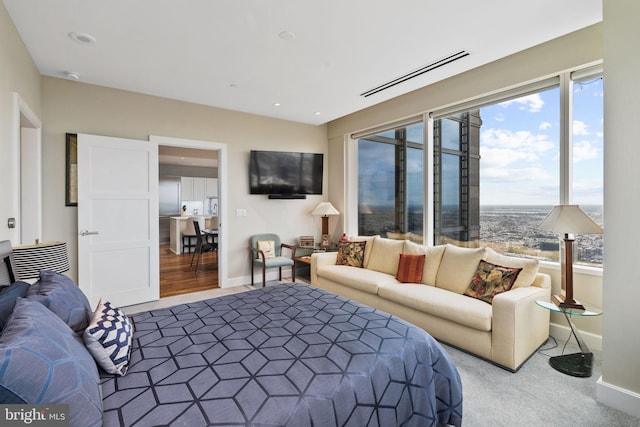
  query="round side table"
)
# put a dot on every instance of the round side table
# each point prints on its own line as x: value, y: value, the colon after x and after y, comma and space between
x: 576, y: 364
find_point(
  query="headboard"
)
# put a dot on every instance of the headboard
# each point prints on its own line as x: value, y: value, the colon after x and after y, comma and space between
x: 6, y: 264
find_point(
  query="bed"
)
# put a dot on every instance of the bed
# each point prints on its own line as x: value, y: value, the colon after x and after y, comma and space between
x: 284, y: 355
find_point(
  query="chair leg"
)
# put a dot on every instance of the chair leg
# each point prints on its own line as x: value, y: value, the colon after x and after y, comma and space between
x: 251, y: 262
x: 293, y: 272
x: 264, y: 276
x: 280, y: 274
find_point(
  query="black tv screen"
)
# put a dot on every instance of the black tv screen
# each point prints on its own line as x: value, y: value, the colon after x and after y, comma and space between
x: 285, y: 173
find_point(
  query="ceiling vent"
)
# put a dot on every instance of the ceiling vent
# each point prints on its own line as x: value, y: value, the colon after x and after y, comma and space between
x: 437, y: 64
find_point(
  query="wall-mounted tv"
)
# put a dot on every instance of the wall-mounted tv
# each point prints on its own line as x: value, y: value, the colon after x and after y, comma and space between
x: 285, y: 174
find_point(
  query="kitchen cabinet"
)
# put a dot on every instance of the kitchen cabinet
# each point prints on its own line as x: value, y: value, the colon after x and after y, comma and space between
x: 198, y: 188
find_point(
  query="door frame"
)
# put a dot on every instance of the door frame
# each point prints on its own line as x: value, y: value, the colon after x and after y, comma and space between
x: 222, y: 191
x: 27, y: 199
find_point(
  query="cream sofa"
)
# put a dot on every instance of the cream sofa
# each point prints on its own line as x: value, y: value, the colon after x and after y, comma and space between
x: 505, y: 332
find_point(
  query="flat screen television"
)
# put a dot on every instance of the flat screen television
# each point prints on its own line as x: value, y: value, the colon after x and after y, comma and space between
x: 285, y: 174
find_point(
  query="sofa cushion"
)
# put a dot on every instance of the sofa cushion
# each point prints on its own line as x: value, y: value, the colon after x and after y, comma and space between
x: 410, y: 268
x: 385, y: 255
x: 357, y: 278
x: 529, y: 266
x: 432, y: 260
x: 367, y: 250
x: 441, y: 303
x: 457, y: 268
x: 351, y: 254
x: 491, y: 280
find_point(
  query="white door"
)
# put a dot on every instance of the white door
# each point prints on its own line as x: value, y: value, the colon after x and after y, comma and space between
x: 118, y: 255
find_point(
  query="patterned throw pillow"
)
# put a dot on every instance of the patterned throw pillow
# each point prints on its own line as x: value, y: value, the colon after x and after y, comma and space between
x: 490, y: 280
x: 351, y: 253
x: 268, y: 247
x: 410, y: 268
x: 108, y: 338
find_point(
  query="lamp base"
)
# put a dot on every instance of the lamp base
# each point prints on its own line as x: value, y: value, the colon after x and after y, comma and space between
x: 559, y: 300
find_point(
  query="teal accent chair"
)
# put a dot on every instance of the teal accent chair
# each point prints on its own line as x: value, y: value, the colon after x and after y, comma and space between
x: 259, y: 260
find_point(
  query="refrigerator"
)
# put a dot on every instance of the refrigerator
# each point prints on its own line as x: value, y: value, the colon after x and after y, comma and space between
x: 169, y: 200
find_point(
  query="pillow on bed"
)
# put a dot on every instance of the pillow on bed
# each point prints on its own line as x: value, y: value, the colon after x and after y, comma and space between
x: 108, y: 338
x: 44, y: 362
x: 8, y: 296
x: 59, y: 294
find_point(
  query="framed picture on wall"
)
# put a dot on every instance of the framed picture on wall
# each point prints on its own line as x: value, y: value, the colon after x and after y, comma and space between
x: 71, y: 170
x: 325, y: 241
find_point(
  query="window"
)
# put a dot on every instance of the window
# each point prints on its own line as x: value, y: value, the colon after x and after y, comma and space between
x: 499, y: 198
x: 391, y: 183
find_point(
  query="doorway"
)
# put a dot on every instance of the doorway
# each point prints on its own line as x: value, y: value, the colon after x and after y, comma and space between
x: 188, y: 158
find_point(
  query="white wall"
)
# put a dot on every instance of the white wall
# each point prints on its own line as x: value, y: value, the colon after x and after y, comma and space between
x: 17, y: 74
x: 76, y: 107
x: 620, y: 382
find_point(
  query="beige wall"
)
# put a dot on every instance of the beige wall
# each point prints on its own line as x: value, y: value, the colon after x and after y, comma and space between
x: 17, y: 74
x: 76, y: 107
x: 621, y: 340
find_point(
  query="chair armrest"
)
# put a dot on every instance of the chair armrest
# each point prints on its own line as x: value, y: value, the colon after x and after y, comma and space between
x: 290, y: 247
x: 256, y: 252
x: 519, y: 325
x: 318, y: 259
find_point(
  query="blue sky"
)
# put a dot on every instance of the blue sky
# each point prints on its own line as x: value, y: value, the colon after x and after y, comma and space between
x: 519, y: 147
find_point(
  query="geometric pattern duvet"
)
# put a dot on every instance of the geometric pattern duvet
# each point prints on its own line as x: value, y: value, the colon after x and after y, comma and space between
x: 284, y: 355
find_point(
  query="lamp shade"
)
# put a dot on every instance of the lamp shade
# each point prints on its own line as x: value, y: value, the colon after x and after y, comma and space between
x: 325, y: 209
x: 565, y: 219
x: 30, y: 259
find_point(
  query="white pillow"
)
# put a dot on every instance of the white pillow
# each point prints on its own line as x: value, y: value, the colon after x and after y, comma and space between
x: 385, y: 255
x: 268, y: 247
x: 432, y: 261
x: 368, y: 247
x: 529, y: 266
x: 457, y: 268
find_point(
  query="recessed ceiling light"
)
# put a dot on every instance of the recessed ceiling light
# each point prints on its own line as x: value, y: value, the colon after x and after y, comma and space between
x: 72, y: 75
x: 286, y: 35
x: 276, y: 104
x: 317, y: 113
x: 82, y: 38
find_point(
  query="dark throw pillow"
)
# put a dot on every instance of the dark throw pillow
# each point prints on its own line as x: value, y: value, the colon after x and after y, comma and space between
x: 490, y: 279
x: 61, y: 295
x: 410, y: 268
x: 108, y: 338
x: 8, y: 296
x: 351, y: 253
x: 44, y: 362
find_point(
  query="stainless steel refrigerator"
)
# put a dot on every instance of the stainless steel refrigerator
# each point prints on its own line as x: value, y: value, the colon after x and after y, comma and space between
x: 169, y: 199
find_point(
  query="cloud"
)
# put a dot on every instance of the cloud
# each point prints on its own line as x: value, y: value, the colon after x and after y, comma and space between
x: 504, y: 175
x: 544, y: 126
x: 533, y: 103
x: 523, y: 140
x: 584, y: 150
x: 499, y: 117
x: 580, y: 128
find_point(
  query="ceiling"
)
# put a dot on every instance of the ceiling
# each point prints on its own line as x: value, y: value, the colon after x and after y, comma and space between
x: 299, y: 60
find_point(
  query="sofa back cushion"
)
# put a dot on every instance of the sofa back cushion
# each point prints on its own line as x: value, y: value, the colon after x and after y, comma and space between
x: 385, y: 255
x: 457, y: 267
x: 367, y: 249
x: 529, y: 267
x: 432, y: 261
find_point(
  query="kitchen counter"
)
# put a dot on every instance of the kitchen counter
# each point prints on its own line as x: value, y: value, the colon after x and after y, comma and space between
x: 177, y: 225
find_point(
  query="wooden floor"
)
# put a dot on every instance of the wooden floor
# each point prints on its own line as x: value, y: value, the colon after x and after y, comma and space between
x: 177, y: 278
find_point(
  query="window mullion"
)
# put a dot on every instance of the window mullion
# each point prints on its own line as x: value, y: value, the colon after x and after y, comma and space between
x: 566, y: 136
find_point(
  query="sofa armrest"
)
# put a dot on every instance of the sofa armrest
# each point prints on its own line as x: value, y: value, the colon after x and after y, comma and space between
x: 319, y: 259
x: 519, y: 325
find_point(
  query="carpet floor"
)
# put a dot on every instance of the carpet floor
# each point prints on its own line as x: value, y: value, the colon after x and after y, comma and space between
x: 536, y: 395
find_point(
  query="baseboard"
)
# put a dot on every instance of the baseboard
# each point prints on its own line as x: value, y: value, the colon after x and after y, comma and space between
x: 618, y: 398
x: 246, y: 280
x: 562, y: 332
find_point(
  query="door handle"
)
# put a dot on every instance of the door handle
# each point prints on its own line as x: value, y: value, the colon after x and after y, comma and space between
x: 87, y: 232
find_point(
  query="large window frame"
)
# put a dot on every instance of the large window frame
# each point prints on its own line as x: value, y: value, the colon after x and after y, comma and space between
x: 564, y: 80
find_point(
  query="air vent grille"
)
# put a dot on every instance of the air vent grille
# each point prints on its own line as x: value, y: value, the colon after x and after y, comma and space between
x: 437, y: 64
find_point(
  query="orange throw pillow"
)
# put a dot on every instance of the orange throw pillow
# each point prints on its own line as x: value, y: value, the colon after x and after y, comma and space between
x: 410, y: 268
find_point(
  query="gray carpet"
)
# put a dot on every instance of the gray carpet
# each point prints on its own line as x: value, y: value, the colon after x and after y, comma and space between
x: 537, y: 395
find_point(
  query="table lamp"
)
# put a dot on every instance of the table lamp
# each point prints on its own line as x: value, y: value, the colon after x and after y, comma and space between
x: 568, y: 220
x: 28, y: 260
x: 325, y: 209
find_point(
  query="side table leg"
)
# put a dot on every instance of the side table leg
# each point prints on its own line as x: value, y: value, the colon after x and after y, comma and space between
x: 576, y: 364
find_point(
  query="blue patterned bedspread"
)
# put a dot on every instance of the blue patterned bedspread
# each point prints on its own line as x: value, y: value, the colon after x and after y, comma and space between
x: 284, y: 355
